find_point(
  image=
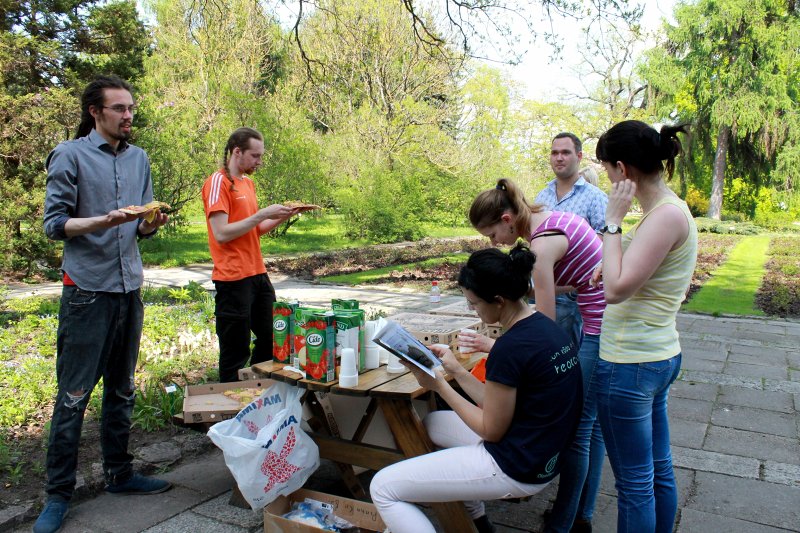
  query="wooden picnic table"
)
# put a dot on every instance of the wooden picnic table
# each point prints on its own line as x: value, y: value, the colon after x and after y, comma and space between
x: 393, y: 395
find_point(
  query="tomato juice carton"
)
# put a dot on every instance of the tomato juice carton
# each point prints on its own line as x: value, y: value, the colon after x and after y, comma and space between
x: 351, y: 328
x: 283, y: 331
x: 320, y: 349
x: 301, y: 316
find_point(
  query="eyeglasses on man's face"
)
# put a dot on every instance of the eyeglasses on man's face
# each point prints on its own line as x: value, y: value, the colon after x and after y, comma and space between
x: 119, y: 108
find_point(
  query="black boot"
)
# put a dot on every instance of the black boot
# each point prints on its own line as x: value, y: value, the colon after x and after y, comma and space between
x: 483, y: 524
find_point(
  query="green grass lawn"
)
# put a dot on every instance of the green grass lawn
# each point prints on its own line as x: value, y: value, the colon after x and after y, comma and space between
x: 732, y: 287
x: 310, y: 234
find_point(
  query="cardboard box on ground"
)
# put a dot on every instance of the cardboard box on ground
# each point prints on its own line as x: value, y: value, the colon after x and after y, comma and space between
x: 358, y: 513
x: 208, y: 403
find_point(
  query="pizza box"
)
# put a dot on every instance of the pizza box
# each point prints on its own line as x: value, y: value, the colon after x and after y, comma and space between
x: 461, y: 308
x: 207, y: 403
x: 436, y: 329
x: 361, y: 514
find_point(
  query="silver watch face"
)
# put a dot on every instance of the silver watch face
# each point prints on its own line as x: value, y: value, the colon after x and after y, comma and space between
x: 612, y: 228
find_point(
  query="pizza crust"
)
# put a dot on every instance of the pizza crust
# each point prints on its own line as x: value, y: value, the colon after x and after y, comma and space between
x: 301, y: 205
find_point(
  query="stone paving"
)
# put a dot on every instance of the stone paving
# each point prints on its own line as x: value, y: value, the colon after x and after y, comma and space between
x: 733, y: 414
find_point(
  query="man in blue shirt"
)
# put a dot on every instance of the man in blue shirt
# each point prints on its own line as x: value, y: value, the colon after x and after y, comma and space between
x: 571, y: 193
x: 89, y: 179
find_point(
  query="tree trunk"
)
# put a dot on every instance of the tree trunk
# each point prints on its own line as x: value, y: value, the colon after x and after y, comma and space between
x: 718, y: 180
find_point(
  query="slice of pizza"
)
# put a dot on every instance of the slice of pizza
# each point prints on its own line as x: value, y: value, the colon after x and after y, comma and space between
x: 149, y: 209
x: 302, y: 206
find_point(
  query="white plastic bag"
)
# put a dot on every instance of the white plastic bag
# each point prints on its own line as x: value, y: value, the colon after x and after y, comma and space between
x: 264, y: 447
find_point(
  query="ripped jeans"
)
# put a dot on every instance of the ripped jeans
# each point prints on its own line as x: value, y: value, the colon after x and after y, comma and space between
x: 98, y: 337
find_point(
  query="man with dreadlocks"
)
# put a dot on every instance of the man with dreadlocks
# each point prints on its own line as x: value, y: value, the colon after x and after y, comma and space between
x: 244, y: 292
x: 90, y: 179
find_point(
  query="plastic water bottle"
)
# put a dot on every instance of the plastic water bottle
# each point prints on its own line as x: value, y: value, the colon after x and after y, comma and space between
x: 436, y: 294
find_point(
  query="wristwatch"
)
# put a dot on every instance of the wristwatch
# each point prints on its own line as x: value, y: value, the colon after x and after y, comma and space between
x: 612, y: 228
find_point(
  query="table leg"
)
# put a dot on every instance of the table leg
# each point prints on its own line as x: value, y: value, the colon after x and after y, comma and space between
x: 328, y: 425
x: 413, y: 440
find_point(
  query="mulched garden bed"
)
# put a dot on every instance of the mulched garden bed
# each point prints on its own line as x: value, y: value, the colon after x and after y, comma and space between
x: 779, y: 294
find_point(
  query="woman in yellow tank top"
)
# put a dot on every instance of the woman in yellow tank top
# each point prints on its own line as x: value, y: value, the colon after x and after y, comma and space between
x: 645, y: 276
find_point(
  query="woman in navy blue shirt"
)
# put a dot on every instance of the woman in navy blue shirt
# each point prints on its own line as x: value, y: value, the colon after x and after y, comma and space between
x: 508, y: 443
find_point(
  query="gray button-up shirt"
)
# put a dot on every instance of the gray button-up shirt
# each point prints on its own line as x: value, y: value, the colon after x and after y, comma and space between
x: 85, y: 178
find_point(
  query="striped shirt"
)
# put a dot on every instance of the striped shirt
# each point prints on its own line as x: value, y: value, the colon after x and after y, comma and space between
x: 642, y: 328
x: 584, y: 253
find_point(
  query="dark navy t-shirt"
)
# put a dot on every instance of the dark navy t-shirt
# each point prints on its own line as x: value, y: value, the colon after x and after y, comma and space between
x: 536, y: 358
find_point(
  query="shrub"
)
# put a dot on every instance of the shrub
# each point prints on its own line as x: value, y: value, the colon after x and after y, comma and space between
x: 710, y: 225
x: 697, y: 202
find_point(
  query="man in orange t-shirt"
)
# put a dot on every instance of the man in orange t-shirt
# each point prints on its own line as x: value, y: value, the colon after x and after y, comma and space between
x: 245, y: 294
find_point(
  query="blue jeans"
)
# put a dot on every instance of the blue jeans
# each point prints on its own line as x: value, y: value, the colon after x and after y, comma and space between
x: 569, y: 317
x: 98, y: 336
x: 582, y: 463
x: 632, y: 408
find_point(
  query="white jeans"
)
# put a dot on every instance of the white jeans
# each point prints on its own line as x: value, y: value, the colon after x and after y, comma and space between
x: 463, y: 472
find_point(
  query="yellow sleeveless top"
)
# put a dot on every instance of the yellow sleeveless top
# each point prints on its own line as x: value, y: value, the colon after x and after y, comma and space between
x: 642, y: 328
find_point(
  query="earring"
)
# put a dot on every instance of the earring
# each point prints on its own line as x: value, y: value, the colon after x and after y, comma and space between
x: 511, y: 228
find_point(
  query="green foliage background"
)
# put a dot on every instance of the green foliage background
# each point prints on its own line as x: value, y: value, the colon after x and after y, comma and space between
x: 385, y: 119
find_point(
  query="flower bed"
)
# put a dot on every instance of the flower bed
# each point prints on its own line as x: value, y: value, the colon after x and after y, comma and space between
x: 779, y: 294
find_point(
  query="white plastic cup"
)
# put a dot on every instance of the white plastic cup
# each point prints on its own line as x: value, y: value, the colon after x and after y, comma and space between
x: 464, y: 349
x: 371, y: 330
x: 348, y: 373
x: 383, y: 355
x: 394, y: 366
x: 372, y: 357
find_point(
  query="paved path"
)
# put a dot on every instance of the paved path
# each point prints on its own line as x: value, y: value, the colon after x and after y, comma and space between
x: 734, y: 421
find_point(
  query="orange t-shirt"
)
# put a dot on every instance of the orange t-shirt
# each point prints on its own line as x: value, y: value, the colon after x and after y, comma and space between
x: 241, y: 257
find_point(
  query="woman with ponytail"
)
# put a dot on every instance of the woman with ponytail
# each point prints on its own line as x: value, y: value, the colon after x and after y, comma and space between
x: 645, y: 276
x: 508, y: 443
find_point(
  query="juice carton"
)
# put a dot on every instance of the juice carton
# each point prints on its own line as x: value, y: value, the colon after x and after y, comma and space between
x: 301, y: 316
x: 320, y: 348
x: 342, y: 303
x: 283, y: 331
x: 351, y: 328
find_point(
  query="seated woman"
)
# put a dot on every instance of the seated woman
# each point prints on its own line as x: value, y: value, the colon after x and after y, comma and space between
x: 567, y: 253
x: 508, y: 443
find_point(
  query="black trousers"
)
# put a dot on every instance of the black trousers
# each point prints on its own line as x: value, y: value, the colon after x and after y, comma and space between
x: 242, y: 307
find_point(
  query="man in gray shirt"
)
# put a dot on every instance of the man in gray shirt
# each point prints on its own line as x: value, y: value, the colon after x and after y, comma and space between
x: 89, y: 179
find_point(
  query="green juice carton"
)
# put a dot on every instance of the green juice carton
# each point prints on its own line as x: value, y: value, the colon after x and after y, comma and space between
x: 342, y: 303
x: 301, y: 316
x: 320, y: 348
x: 351, y: 328
x: 283, y: 331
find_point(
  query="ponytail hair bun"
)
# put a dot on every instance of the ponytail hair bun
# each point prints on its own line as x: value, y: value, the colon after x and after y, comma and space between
x: 637, y: 144
x: 490, y: 273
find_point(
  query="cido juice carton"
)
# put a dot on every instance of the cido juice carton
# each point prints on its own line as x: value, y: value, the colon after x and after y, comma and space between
x: 342, y: 303
x: 351, y: 328
x: 301, y: 316
x: 283, y: 331
x: 320, y: 348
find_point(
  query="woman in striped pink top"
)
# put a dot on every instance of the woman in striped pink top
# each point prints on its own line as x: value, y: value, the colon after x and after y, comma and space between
x: 567, y: 252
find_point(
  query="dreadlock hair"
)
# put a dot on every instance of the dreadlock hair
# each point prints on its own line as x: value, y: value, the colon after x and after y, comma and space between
x: 239, y: 139
x: 489, y: 206
x: 490, y: 273
x: 636, y: 144
x: 93, y: 95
